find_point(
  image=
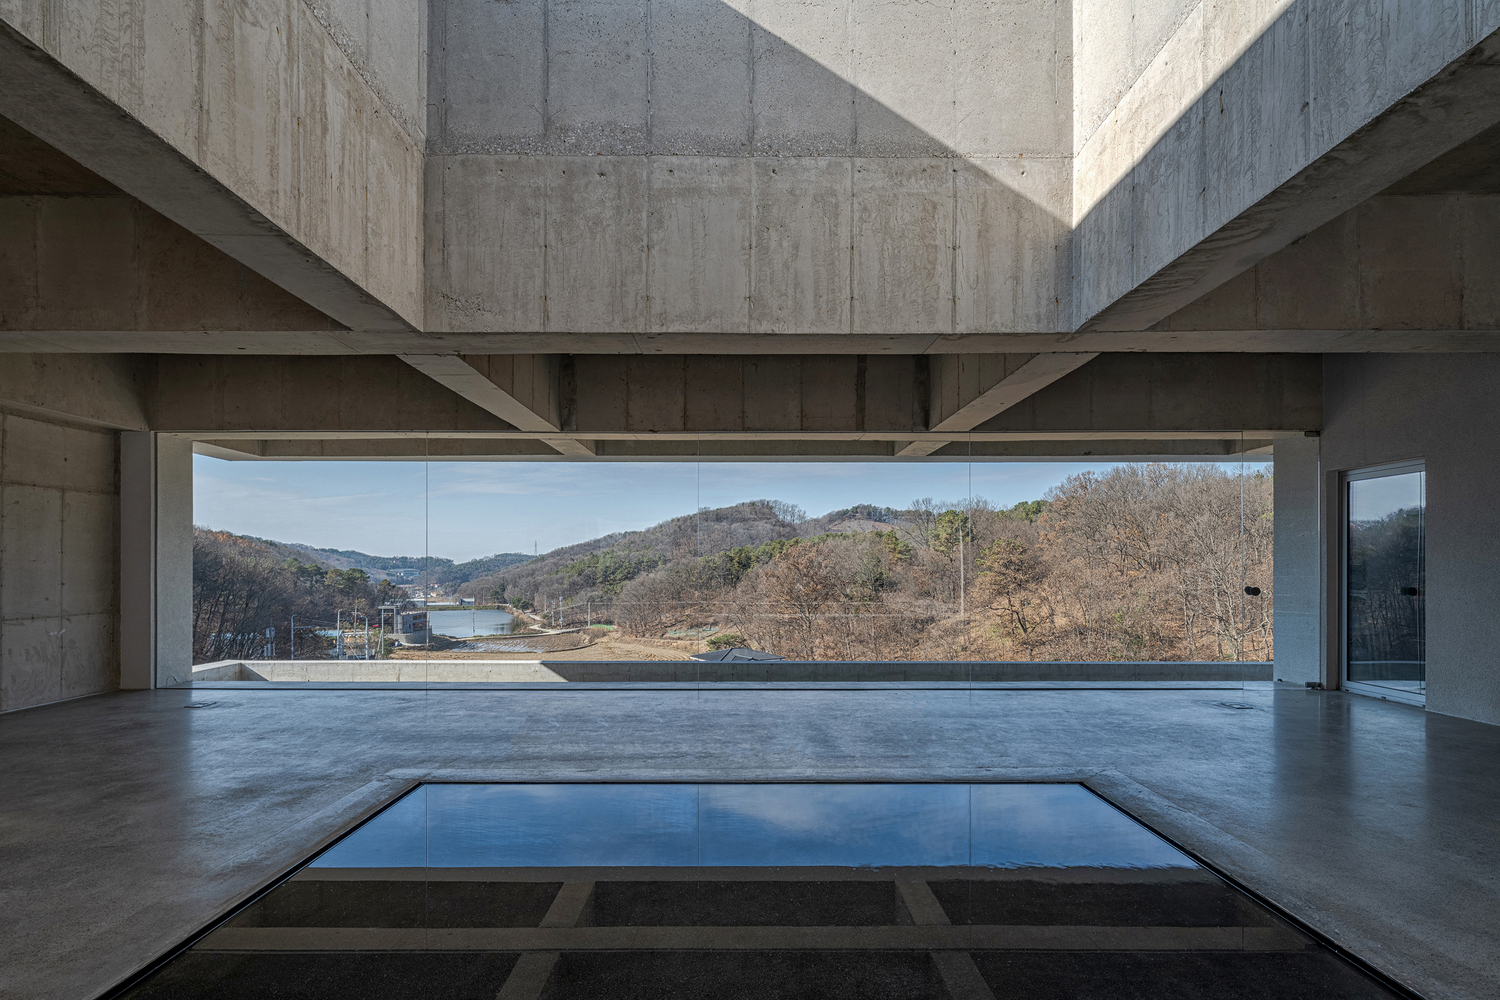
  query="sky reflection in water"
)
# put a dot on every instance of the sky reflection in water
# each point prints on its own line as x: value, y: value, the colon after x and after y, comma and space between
x: 845, y: 825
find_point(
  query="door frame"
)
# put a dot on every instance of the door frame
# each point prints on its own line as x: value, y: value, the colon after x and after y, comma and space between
x: 1345, y: 478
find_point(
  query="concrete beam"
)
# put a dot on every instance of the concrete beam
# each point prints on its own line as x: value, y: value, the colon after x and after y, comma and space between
x: 680, y: 405
x: 416, y: 449
x: 1137, y: 446
x: 968, y: 389
x: 1426, y: 339
x: 205, y: 395
x: 104, y: 390
x: 529, y: 399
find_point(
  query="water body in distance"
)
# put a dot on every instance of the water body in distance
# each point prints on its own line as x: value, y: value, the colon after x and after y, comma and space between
x: 466, y: 624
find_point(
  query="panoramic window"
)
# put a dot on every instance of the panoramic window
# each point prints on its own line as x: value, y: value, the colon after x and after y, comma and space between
x: 479, y: 572
x: 1386, y: 582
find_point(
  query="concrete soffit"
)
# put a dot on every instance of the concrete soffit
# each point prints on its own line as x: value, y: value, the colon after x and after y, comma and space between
x: 55, y: 104
x: 1176, y: 251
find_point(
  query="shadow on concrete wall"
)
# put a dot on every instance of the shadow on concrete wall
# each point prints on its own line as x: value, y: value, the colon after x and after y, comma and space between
x: 828, y: 168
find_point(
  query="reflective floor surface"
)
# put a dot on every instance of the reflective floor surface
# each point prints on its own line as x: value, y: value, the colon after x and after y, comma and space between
x: 130, y: 822
x: 761, y: 890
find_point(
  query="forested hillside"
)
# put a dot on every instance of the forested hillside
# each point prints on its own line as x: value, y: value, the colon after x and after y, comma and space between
x: 441, y: 572
x: 1143, y: 562
x: 244, y: 586
x: 1146, y: 562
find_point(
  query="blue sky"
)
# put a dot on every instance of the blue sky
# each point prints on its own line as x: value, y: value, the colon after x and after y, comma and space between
x: 463, y: 510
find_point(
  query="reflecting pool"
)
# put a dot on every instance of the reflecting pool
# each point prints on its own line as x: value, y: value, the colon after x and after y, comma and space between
x: 723, y: 891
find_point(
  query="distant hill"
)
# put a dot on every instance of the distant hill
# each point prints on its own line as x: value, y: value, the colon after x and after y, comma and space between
x: 600, y: 567
x: 445, y: 572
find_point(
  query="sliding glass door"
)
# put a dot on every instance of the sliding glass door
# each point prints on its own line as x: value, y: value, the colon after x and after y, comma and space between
x: 1385, y: 582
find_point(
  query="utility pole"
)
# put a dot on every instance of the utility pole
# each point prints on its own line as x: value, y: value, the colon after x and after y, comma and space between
x: 292, y: 641
x: 367, y: 637
x: 338, y: 628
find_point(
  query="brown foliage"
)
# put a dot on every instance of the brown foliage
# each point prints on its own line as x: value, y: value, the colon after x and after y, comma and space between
x: 1143, y: 562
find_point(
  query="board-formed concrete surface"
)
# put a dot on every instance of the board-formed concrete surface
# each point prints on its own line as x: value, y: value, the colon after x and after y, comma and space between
x: 59, y: 561
x: 133, y: 819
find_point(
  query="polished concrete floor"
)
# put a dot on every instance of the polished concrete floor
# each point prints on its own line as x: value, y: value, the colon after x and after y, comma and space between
x: 128, y: 821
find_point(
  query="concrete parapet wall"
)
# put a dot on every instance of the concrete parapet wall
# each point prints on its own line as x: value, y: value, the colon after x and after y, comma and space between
x: 532, y: 671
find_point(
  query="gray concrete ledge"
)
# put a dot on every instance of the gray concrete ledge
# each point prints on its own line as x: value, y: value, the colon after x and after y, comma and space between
x: 554, y: 673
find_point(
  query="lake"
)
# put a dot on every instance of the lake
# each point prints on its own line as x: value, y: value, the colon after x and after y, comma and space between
x: 463, y: 624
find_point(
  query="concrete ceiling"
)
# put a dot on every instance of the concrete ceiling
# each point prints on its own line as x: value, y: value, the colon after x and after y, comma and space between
x: 1470, y: 168
x: 29, y: 166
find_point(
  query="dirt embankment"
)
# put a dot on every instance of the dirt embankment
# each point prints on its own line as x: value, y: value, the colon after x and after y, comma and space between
x: 596, y: 644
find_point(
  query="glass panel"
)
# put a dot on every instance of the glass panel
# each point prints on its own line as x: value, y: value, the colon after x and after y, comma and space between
x: 761, y: 890
x: 455, y: 572
x: 1387, y: 582
x: 284, y: 587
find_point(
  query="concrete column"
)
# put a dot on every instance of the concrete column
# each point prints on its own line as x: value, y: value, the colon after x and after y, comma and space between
x: 1298, y: 555
x: 156, y: 559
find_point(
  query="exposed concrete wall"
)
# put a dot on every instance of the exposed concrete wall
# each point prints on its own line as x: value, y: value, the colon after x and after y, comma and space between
x: 109, y: 262
x: 1397, y: 262
x: 1114, y: 42
x: 668, y: 166
x: 59, y: 596
x: 1242, y: 98
x: 1298, y: 591
x: 386, y: 42
x: 1441, y: 409
x: 260, y: 95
